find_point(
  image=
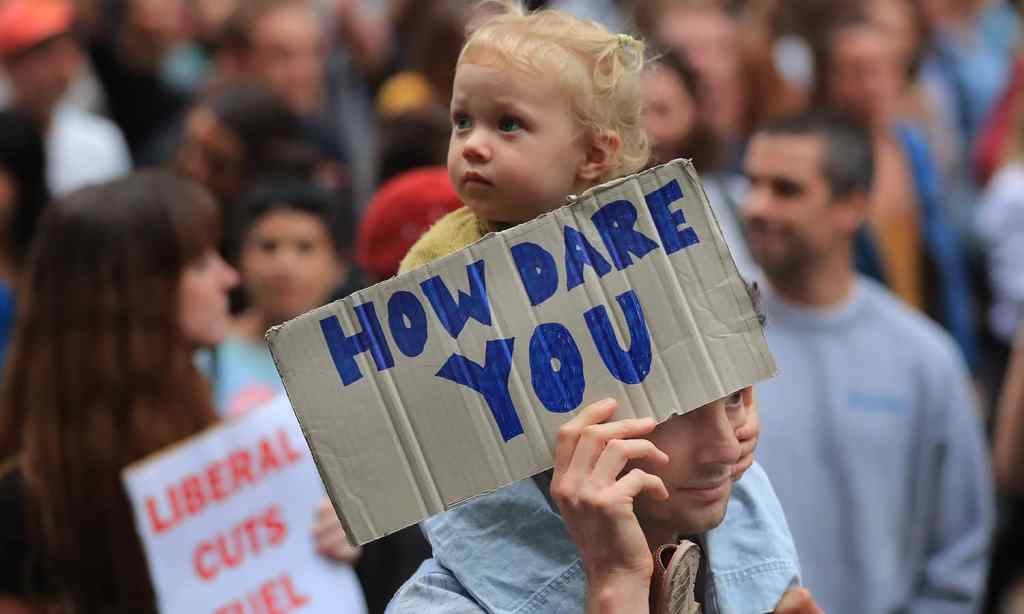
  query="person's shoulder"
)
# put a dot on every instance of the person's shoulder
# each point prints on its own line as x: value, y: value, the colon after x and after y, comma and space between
x: 908, y: 329
x: 449, y: 234
x: 1000, y: 199
x: 79, y: 134
x: 433, y: 590
x: 753, y: 558
x: 76, y: 121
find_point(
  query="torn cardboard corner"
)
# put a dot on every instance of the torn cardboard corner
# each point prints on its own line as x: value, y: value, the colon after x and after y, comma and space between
x: 451, y: 380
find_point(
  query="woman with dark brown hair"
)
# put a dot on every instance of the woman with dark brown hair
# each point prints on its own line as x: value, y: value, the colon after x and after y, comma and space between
x: 676, y: 129
x: 123, y: 285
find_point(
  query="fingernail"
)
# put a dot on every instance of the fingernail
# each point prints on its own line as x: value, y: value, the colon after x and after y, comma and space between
x: 606, y: 403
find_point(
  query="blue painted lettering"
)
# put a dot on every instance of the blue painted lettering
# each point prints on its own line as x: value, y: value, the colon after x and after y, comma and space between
x: 538, y: 271
x: 559, y: 386
x: 454, y: 314
x: 579, y: 253
x: 632, y: 366
x: 668, y: 222
x: 344, y: 348
x: 491, y: 381
x: 408, y: 322
x: 615, y: 222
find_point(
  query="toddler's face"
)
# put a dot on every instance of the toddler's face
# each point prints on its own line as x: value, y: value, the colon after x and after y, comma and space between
x: 515, y: 151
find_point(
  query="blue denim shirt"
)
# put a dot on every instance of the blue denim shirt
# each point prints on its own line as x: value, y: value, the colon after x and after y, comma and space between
x: 509, y: 552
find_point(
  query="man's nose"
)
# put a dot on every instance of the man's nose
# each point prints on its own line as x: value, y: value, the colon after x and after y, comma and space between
x: 756, y: 204
x: 284, y: 261
x: 717, y: 436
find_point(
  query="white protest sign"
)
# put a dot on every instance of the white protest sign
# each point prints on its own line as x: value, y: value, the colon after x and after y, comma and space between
x: 451, y: 380
x: 226, y: 519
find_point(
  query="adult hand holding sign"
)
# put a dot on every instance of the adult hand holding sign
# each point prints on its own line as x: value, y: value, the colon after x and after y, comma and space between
x: 597, y: 504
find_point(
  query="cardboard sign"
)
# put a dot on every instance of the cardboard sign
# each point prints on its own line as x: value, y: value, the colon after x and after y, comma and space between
x: 226, y: 519
x: 452, y: 380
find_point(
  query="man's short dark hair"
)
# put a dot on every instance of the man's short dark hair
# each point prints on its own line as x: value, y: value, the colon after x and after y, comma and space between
x: 849, y: 164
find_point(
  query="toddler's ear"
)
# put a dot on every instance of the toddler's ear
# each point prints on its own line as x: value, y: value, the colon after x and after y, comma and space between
x: 602, y: 155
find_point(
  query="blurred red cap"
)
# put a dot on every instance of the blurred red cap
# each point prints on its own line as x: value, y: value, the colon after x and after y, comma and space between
x: 398, y: 214
x: 24, y: 23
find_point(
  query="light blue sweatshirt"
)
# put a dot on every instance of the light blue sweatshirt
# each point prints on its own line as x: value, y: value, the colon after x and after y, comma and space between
x: 509, y: 552
x: 871, y: 437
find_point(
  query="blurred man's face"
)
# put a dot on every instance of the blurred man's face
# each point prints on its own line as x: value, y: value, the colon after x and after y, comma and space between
x: 865, y: 76
x: 787, y: 213
x: 153, y: 28
x: 209, y: 16
x: 40, y: 77
x: 289, y: 264
x: 287, y: 54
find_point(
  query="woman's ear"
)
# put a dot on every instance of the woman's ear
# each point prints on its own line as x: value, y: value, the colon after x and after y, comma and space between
x: 602, y: 155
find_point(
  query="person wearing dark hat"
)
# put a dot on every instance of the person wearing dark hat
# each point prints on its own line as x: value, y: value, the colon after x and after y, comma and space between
x: 41, y: 58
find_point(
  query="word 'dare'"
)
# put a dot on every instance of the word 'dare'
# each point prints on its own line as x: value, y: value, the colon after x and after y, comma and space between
x: 556, y: 363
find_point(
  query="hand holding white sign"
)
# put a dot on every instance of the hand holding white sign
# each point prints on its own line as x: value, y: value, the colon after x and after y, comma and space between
x: 331, y: 539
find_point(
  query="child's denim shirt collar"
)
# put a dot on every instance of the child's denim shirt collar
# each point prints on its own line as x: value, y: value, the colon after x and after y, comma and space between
x: 511, y: 552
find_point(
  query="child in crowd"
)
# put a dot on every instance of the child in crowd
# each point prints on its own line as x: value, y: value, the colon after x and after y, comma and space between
x: 545, y: 105
x: 293, y: 258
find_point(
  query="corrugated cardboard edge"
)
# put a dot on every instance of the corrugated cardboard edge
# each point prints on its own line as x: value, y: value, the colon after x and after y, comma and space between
x: 749, y: 285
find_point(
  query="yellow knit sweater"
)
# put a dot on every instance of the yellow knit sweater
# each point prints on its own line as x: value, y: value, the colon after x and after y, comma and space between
x: 450, y: 234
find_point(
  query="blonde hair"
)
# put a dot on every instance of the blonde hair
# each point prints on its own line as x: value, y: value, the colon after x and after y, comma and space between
x: 599, y: 70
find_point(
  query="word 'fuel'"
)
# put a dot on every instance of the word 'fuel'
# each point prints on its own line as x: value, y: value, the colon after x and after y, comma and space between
x: 556, y: 364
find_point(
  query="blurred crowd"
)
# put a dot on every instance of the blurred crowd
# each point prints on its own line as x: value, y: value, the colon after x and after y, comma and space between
x: 320, y: 128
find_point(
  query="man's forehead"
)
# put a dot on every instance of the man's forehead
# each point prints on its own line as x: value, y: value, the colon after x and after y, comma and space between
x: 798, y: 155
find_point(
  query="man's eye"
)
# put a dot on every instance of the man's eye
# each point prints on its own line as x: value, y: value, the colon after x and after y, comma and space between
x: 509, y: 124
x: 461, y: 121
x: 734, y: 399
x: 786, y: 188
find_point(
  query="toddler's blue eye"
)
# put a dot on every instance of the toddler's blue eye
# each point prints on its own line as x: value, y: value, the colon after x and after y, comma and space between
x: 461, y: 122
x: 509, y: 124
